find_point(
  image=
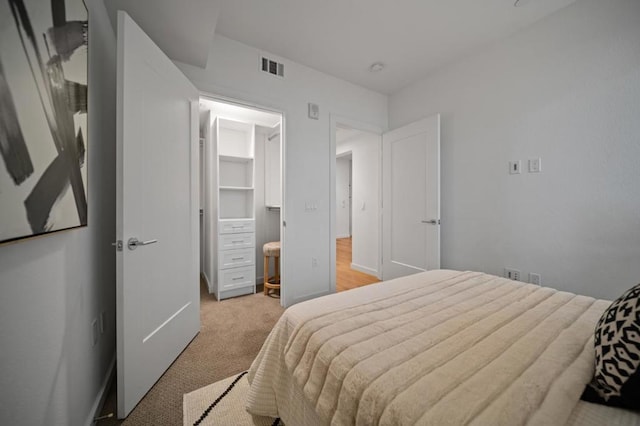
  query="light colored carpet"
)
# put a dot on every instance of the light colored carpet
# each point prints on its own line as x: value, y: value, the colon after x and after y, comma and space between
x: 231, y: 335
x: 210, y: 405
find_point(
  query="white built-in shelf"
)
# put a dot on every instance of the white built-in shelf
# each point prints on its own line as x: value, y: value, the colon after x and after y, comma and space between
x: 235, y: 139
x: 235, y: 143
x: 235, y: 188
x: 236, y: 205
x: 235, y: 158
x: 236, y: 175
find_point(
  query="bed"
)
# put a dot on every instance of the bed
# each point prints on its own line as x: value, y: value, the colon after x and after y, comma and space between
x: 436, y: 348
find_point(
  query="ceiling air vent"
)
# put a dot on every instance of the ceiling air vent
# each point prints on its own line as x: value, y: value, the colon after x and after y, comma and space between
x: 272, y: 67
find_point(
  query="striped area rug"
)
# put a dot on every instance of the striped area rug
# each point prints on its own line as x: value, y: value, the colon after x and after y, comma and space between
x: 222, y: 403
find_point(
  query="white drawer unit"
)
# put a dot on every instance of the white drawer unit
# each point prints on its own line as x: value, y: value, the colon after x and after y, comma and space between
x: 237, y: 226
x: 237, y: 277
x: 236, y: 258
x: 236, y: 241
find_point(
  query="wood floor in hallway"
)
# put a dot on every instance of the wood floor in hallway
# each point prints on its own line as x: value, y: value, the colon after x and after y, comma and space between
x: 347, y: 278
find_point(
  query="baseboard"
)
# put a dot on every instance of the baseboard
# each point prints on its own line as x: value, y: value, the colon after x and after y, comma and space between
x: 343, y: 236
x: 364, y: 269
x: 102, y: 394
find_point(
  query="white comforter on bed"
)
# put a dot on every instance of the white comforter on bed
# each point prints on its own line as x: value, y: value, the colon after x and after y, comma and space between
x: 441, y: 347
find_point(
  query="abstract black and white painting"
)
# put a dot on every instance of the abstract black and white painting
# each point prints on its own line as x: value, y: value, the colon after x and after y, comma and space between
x: 43, y: 116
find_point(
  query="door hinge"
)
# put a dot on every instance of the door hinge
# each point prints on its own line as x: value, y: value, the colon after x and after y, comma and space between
x: 118, y: 245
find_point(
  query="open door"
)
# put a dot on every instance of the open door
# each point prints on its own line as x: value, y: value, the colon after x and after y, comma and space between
x: 411, y: 198
x: 157, y: 296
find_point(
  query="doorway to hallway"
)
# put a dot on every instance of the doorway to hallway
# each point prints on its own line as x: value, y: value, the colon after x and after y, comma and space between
x: 346, y: 277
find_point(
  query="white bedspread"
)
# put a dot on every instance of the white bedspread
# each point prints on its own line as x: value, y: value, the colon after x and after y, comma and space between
x: 441, y: 347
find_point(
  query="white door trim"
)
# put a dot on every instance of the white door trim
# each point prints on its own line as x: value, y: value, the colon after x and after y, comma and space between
x: 334, y: 119
x: 285, y: 295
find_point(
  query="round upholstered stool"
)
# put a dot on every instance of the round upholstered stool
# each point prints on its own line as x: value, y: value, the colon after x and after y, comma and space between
x: 271, y: 250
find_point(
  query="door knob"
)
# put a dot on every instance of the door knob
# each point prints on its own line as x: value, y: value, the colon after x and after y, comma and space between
x: 134, y: 243
x: 432, y: 221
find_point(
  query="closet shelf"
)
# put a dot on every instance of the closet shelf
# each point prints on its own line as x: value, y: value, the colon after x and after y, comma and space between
x: 235, y: 159
x: 235, y: 188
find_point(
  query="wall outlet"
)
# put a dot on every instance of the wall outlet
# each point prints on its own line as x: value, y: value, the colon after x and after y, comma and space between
x: 514, y: 167
x: 512, y: 274
x: 95, y: 331
x: 535, y: 278
x: 314, y: 262
x: 535, y: 165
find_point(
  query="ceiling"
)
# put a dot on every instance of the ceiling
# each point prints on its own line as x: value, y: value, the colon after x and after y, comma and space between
x: 183, y: 30
x: 344, y: 37
x: 339, y: 37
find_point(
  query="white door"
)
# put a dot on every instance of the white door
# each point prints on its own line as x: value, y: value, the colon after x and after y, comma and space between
x: 343, y: 208
x: 411, y: 198
x: 351, y: 196
x: 204, y: 193
x: 157, y: 294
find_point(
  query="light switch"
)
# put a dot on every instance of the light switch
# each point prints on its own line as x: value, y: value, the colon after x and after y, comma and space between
x: 314, y: 111
x: 514, y: 167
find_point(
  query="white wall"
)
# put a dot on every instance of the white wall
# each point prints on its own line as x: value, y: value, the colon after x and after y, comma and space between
x: 343, y: 207
x: 233, y: 72
x: 567, y: 90
x: 365, y: 227
x: 52, y: 287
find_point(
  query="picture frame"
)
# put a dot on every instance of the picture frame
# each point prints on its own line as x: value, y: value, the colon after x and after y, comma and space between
x: 43, y: 117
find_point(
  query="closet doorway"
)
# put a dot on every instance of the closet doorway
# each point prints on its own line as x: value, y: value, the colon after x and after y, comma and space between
x: 356, y: 204
x: 241, y: 181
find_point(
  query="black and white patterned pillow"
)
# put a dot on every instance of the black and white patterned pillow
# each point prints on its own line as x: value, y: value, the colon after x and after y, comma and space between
x: 617, y: 345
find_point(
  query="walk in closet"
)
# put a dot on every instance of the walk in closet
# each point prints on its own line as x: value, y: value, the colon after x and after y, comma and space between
x: 241, y: 191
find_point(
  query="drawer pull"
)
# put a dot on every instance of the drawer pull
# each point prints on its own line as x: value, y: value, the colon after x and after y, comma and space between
x: 237, y: 241
x: 237, y: 258
x: 238, y: 278
x: 237, y: 226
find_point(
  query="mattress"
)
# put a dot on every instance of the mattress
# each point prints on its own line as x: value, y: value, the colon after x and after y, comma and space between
x: 440, y: 347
